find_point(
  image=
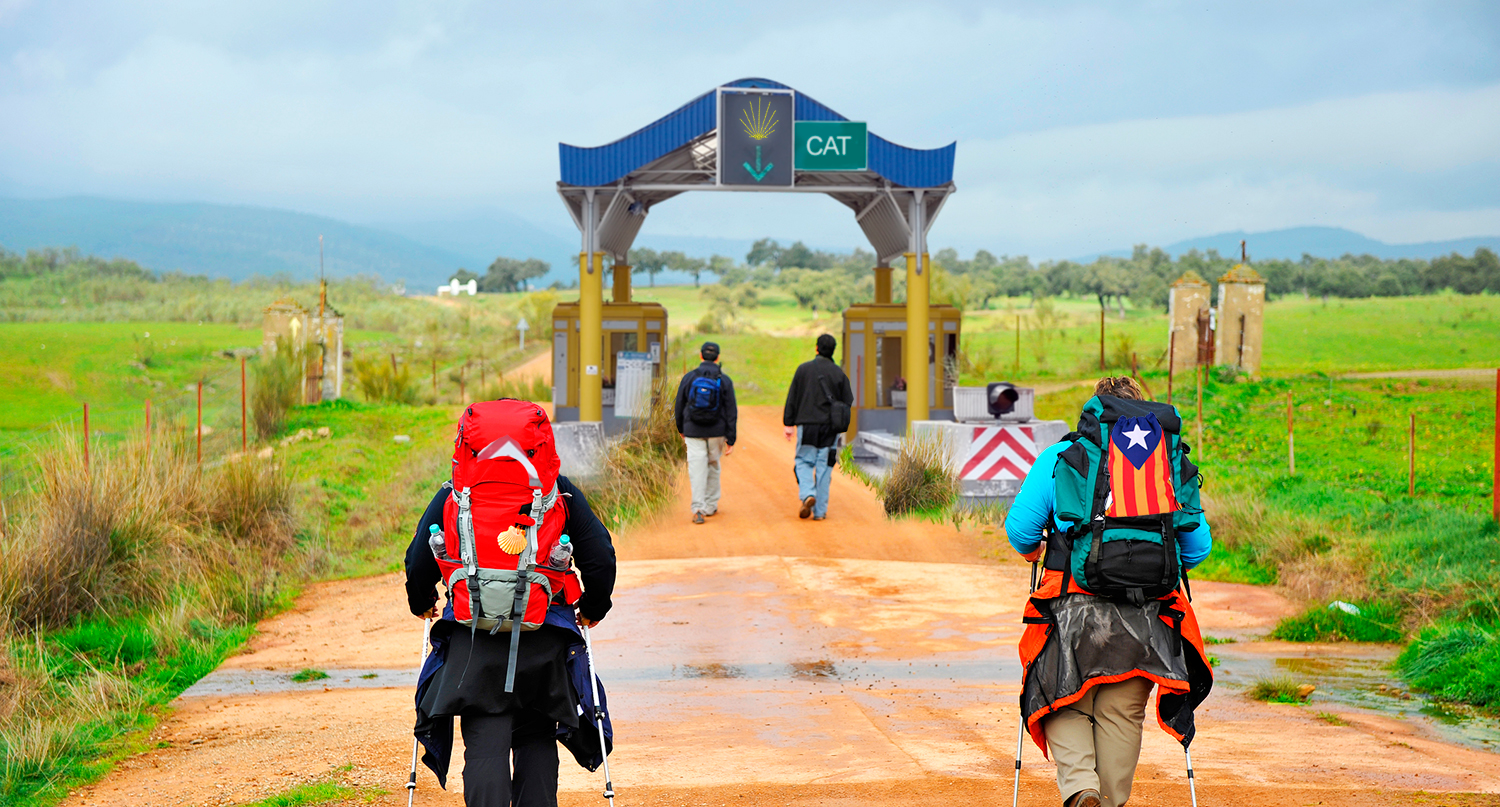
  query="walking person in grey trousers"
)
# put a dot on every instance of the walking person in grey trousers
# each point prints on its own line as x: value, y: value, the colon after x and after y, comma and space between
x: 706, y: 418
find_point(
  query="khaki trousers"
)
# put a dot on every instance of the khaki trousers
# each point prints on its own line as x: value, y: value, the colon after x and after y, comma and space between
x: 1096, y: 742
x: 703, y: 472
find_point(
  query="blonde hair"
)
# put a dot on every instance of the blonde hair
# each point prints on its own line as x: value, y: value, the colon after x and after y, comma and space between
x: 1121, y: 387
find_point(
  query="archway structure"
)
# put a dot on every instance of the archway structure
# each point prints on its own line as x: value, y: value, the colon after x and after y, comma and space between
x: 753, y: 135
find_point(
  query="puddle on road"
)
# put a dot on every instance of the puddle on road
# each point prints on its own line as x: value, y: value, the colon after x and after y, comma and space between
x: 711, y: 671
x: 224, y: 682
x: 847, y: 671
x: 1364, y: 679
x: 814, y: 669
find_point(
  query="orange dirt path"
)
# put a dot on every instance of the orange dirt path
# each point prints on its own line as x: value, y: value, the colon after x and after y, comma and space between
x: 761, y: 659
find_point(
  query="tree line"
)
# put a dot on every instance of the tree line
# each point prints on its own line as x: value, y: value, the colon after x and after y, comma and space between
x: 831, y: 281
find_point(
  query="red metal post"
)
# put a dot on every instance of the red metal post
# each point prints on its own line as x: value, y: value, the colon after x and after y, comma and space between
x: 244, y: 421
x: 85, y: 435
x: 198, y: 433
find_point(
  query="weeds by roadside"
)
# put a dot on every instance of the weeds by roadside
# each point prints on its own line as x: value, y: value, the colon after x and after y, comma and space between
x: 122, y: 581
x: 640, y: 470
x: 1280, y: 689
x: 278, y: 388
x: 919, y: 481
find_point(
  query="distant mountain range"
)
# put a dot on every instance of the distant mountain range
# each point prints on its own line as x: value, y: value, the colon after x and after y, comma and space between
x: 237, y: 241
x: 1322, y: 242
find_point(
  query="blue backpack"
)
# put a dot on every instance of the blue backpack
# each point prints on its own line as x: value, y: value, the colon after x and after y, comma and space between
x: 703, y: 400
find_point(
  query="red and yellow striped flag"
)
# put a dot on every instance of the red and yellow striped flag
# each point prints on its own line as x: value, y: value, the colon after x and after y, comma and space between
x: 1140, y: 471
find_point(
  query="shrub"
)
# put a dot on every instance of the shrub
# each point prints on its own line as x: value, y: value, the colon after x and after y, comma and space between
x: 278, y: 388
x: 137, y: 523
x: 533, y: 388
x: 919, y: 480
x: 382, y: 380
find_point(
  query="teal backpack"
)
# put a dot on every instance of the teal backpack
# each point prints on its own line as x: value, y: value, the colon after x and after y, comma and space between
x: 1127, y: 486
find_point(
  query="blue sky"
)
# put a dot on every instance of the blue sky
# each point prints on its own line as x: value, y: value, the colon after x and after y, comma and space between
x: 1080, y: 126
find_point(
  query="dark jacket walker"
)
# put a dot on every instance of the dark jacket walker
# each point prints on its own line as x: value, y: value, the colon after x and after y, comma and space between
x: 726, y: 424
x: 464, y: 673
x: 816, y: 386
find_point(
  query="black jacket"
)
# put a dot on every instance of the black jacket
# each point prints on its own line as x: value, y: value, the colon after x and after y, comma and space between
x: 728, y: 414
x: 807, y: 402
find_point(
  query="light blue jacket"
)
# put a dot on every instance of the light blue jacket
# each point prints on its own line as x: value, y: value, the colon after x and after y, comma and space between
x: 1037, y: 498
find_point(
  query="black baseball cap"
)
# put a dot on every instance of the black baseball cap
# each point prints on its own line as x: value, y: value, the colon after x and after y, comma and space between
x: 709, y: 351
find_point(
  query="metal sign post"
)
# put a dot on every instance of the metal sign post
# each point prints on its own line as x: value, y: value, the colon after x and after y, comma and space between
x: 522, y: 327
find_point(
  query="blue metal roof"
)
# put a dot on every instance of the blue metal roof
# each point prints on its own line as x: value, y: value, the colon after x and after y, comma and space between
x: 607, y: 164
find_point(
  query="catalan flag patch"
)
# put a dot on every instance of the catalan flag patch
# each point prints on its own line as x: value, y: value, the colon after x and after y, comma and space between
x: 1140, y: 470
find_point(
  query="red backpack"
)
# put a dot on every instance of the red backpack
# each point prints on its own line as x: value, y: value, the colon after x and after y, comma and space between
x: 502, y: 521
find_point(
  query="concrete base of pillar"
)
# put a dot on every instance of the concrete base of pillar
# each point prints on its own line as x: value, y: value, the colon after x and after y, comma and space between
x: 580, y: 447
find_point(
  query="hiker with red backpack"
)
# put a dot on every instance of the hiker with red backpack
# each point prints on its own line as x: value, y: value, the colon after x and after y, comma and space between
x: 526, y: 564
x: 1119, y: 518
x: 706, y: 418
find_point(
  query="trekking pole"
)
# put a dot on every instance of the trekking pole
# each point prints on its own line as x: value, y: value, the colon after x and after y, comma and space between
x: 411, y: 780
x: 1192, y: 788
x: 1015, y: 794
x: 609, y: 787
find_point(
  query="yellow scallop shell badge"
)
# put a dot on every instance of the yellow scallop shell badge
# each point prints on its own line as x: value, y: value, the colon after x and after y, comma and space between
x: 513, y: 540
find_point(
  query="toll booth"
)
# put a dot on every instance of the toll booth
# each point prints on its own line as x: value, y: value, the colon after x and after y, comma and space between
x: 628, y: 328
x: 873, y: 358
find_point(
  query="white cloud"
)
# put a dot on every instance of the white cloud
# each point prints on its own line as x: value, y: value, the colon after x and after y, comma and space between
x: 1352, y: 162
x: 1080, y: 126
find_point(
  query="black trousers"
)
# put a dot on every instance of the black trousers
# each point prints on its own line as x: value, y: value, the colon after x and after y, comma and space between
x: 489, y: 743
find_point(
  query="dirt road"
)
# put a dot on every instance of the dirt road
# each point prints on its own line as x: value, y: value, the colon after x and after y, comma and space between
x: 760, y: 659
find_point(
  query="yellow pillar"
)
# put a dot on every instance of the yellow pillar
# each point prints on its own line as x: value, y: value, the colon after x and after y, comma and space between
x: 622, y: 283
x: 590, y: 337
x: 917, y: 318
x: 882, y: 284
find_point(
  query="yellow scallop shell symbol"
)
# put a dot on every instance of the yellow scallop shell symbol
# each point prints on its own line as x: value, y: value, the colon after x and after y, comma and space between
x: 513, y: 540
x: 758, y: 120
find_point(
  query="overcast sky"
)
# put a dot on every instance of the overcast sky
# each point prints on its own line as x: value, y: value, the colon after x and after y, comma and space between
x: 1080, y: 126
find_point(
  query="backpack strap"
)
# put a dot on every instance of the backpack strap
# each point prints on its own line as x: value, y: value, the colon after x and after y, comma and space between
x: 469, y: 554
x: 525, y: 565
x: 1095, y: 525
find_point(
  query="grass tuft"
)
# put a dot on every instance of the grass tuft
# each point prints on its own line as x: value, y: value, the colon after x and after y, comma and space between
x: 1279, y: 689
x: 919, y: 481
x: 307, y: 675
x: 1455, y: 661
x: 1332, y: 719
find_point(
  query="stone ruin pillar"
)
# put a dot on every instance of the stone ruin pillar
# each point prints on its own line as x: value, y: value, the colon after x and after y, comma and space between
x: 1242, y: 304
x: 1189, y: 298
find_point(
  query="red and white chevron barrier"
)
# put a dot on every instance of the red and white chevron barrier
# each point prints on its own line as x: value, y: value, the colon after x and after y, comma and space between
x: 999, y: 452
